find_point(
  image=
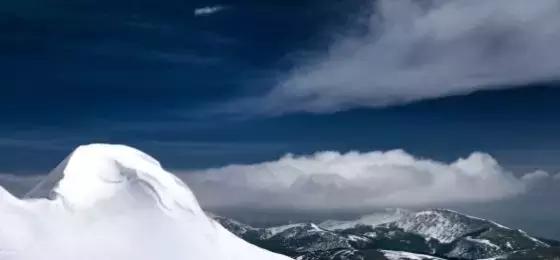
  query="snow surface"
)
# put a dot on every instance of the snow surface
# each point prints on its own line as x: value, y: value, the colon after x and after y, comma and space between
x: 485, y: 242
x: 400, y: 255
x: 290, y: 230
x: 114, y: 202
x: 440, y: 224
x: 273, y: 231
x: 436, y: 224
x: 540, y: 243
x: 374, y: 219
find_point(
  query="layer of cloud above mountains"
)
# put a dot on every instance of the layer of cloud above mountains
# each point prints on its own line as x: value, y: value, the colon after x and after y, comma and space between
x: 353, y: 181
x: 413, y: 50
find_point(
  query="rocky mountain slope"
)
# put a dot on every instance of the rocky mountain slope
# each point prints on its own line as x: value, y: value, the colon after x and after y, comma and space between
x: 400, y: 234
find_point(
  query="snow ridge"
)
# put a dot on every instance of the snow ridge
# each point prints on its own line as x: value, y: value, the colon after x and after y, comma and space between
x: 375, y: 219
x: 435, y: 224
x: 398, y: 255
x: 124, y: 205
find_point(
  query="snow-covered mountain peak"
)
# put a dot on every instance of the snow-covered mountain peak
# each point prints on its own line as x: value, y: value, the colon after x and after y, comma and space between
x: 440, y: 224
x: 426, y: 234
x: 101, y: 173
x: 123, y: 205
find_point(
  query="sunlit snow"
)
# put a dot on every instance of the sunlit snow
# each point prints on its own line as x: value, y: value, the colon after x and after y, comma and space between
x: 114, y: 202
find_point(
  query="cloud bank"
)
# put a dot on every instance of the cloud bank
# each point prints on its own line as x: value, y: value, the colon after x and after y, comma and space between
x: 414, y: 50
x: 331, y: 180
x: 208, y: 10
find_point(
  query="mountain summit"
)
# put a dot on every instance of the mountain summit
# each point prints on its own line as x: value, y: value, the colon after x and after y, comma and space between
x: 114, y: 202
x: 398, y: 234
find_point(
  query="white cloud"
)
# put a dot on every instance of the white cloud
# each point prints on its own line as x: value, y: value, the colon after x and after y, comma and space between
x: 330, y: 180
x: 208, y: 10
x: 416, y: 50
x: 536, y: 177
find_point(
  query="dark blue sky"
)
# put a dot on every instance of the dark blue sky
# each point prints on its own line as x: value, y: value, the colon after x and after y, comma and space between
x: 145, y: 73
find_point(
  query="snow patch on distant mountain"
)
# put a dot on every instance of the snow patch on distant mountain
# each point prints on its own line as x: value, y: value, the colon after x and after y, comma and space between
x: 485, y: 242
x: 400, y: 255
x: 273, y: 231
x: 541, y: 243
x: 374, y: 219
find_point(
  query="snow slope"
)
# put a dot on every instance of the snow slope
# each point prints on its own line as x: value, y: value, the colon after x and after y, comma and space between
x: 114, y: 202
x: 399, y: 255
x: 375, y: 219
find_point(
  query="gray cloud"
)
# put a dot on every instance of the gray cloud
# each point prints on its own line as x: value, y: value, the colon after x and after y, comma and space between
x: 416, y: 50
x: 19, y: 185
x: 536, y: 177
x: 330, y: 180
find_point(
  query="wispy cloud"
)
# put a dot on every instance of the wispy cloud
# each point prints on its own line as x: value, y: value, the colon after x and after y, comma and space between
x: 414, y: 50
x: 184, y: 58
x: 208, y: 10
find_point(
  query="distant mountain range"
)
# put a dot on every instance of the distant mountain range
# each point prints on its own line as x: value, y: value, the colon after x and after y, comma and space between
x: 398, y: 234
